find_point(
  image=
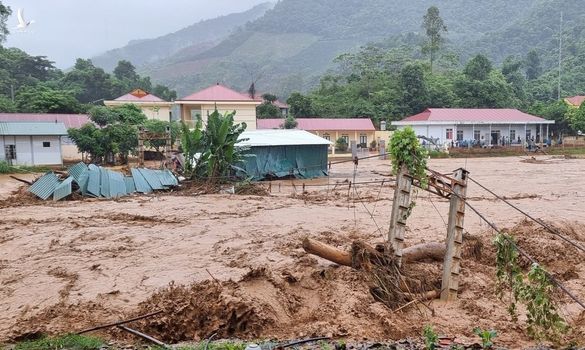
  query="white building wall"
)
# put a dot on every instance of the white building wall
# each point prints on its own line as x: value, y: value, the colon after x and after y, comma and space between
x: 31, y: 151
x: 469, y: 131
x: 47, y: 150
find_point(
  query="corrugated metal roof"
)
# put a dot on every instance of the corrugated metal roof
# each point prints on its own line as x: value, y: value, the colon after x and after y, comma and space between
x: 93, y: 182
x: 280, y: 137
x: 117, y: 184
x: 152, y: 178
x: 32, y: 128
x: 167, y: 178
x: 77, y: 170
x: 45, y: 185
x: 321, y: 124
x: 219, y: 93
x: 471, y: 115
x: 139, y: 95
x: 70, y: 120
x: 63, y: 189
x: 130, y: 186
x: 575, y: 100
x: 140, y: 182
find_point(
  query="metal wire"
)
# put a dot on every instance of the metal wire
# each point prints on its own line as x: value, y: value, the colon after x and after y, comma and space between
x: 524, y: 253
x: 547, y: 227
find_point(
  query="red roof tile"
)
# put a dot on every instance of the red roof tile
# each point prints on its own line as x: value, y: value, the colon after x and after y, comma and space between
x: 315, y: 124
x: 70, y: 120
x: 139, y: 95
x: 472, y: 115
x: 218, y: 93
x: 575, y: 100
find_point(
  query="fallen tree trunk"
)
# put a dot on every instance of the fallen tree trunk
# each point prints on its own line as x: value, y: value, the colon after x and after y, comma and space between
x: 327, y: 252
x: 431, y: 251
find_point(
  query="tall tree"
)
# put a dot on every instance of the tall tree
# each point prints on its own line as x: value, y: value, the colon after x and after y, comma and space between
x: 300, y: 105
x: 434, y: 28
x: 478, y: 68
x: 415, y: 96
x: 126, y: 71
x: 44, y: 99
x: 533, y: 65
x: 5, y: 12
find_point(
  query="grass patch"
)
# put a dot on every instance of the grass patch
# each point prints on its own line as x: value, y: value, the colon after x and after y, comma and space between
x: 21, y: 169
x: 438, y: 154
x: 220, y: 345
x: 69, y: 342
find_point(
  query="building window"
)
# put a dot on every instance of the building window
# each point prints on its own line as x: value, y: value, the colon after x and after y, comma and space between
x: 512, y: 135
x: 528, y: 134
x: 345, y: 138
x: 46, y: 144
x: 327, y: 137
x: 459, y: 135
x: 363, y: 140
x: 449, y: 134
x: 476, y: 135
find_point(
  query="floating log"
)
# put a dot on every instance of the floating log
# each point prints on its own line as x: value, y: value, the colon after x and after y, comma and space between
x: 327, y: 252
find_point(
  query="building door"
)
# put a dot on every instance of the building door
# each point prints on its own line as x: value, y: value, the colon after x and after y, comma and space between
x: 495, y: 137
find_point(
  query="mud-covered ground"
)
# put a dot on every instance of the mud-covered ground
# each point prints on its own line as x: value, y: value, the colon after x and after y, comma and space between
x: 234, y: 263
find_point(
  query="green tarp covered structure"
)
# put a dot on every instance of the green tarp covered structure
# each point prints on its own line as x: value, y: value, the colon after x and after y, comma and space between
x: 283, y: 153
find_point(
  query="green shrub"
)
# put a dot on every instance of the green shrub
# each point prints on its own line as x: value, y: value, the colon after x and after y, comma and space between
x: 69, y: 341
x: 341, y: 145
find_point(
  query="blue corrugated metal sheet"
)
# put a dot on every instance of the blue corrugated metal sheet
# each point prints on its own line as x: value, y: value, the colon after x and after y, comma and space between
x: 140, y: 182
x: 104, y: 183
x: 117, y: 184
x: 167, y: 178
x: 152, y: 178
x: 130, y: 187
x: 45, y: 186
x: 93, y: 183
x: 32, y: 128
x: 64, y: 189
x: 82, y: 182
x: 77, y: 170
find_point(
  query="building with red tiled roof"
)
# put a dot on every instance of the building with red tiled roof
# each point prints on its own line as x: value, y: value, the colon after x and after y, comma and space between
x: 202, y: 103
x: 361, y: 130
x: 575, y: 101
x: 152, y: 106
x: 480, y: 126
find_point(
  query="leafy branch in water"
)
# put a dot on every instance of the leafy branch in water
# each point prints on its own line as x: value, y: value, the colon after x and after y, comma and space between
x: 406, y: 150
x: 533, y: 290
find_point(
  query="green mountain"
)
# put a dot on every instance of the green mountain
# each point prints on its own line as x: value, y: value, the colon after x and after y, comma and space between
x: 293, y: 44
x: 190, y: 40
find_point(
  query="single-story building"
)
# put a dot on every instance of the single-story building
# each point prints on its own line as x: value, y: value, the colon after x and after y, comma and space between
x: 152, y: 106
x: 361, y: 130
x: 68, y: 148
x: 477, y: 126
x: 204, y: 102
x: 31, y: 143
x: 282, y: 153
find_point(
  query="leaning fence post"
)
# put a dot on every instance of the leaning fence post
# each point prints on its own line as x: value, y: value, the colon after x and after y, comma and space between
x: 400, y: 212
x: 452, y: 262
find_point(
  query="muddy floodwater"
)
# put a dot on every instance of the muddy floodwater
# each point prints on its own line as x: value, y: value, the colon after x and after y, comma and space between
x: 73, y: 264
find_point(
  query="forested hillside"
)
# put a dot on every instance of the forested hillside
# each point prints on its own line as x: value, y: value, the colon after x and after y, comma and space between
x: 195, y: 38
x: 294, y: 43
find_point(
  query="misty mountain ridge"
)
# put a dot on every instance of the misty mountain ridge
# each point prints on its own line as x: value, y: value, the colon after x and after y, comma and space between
x: 290, y: 46
x: 203, y: 34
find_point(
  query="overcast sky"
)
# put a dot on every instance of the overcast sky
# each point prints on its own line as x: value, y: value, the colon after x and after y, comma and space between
x: 67, y: 29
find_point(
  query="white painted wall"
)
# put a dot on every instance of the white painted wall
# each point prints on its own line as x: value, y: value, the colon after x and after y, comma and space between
x: 31, y: 151
x: 440, y: 131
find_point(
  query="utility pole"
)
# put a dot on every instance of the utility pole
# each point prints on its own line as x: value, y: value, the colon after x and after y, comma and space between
x: 12, y: 92
x: 560, y: 55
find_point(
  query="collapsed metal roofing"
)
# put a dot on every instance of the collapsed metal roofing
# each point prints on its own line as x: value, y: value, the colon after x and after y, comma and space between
x: 95, y: 181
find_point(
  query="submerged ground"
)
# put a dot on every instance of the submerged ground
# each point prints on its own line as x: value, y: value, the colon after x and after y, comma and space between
x: 69, y: 265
